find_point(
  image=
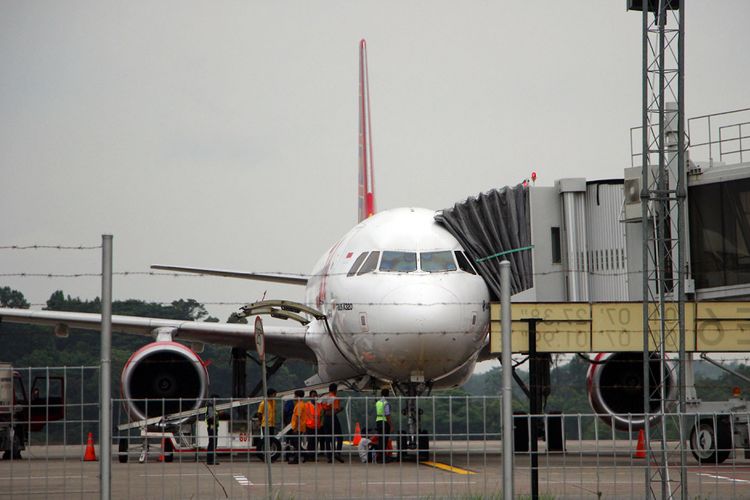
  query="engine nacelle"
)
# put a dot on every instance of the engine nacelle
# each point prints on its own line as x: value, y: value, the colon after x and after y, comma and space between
x: 162, y: 378
x: 615, y: 387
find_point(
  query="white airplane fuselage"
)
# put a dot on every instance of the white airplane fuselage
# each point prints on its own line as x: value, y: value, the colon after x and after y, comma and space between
x: 417, y: 315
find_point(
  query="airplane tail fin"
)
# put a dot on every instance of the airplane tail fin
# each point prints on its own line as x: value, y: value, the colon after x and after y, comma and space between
x: 366, y: 184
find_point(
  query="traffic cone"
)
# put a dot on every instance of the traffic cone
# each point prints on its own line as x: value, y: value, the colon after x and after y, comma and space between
x: 90, y: 454
x: 357, y: 435
x: 640, y: 449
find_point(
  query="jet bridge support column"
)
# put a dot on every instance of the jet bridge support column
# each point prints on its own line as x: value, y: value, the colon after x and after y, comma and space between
x: 573, y: 192
x: 539, y: 379
x: 239, y: 378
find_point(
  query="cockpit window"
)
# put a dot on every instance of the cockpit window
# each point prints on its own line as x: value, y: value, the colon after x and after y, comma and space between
x: 370, y: 264
x: 434, y: 262
x: 399, y: 262
x: 356, y: 264
x: 463, y: 263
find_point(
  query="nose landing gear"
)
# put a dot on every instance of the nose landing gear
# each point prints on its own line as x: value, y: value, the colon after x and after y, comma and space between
x: 415, y: 442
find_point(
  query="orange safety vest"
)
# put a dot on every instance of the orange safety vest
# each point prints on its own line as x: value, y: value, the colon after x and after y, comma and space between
x: 331, y: 402
x: 313, y: 415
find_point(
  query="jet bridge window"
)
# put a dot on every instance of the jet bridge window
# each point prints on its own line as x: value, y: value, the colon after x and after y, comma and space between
x: 370, y: 264
x: 433, y: 262
x: 399, y: 262
x: 356, y: 264
x: 463, y: 263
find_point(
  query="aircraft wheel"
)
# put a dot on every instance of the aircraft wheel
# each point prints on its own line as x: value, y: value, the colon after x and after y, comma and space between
x: 16, y: 447
x: 168, y: 451
x: 711, y: 445
x: 122, y: 450
x: 274, y: 449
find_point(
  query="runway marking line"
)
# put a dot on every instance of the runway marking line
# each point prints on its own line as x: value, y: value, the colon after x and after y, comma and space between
x: 449, y: 468
x: 725, y: 478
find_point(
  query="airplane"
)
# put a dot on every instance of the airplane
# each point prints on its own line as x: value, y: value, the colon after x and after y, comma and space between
x: 395, y: 301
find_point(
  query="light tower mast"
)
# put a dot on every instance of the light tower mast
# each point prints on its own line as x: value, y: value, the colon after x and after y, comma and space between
x: 663, y: 194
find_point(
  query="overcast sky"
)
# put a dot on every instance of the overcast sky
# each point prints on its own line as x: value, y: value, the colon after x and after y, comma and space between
x: 224, y: 134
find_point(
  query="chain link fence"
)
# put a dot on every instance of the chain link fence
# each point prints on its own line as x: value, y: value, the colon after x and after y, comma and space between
x: 457, y: 453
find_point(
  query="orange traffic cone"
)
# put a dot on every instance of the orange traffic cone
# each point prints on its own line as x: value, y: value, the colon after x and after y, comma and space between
x: 640, y: 449
x: 90, y: 454
x: 357, y: 435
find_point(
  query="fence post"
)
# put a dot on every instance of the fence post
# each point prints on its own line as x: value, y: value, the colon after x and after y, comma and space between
x: 105, y: 386
x: 507, y: 380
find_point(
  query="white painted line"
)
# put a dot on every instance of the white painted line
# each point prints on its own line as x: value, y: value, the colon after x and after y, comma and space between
x: 29, y: 478
x: 458, y: 483
x: 724, y: 478
x: 242, y: 480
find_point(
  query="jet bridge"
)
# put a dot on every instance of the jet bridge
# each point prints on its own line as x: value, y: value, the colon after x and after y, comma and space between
x: 492, y: 227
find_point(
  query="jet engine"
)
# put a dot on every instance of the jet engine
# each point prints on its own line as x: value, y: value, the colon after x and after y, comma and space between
x: 615, y: 387
x: 163, y: 378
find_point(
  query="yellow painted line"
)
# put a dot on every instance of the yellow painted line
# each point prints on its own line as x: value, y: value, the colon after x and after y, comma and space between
x: 449, y: 468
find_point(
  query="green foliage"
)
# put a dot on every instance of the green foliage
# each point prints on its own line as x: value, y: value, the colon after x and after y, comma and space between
x: 12, y: 298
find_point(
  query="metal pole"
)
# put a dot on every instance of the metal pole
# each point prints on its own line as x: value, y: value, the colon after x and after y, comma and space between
x: 681, y: 258
x: 266, y: 437
x: 507, y: 379
x: 105, y: 368
x: 645, y: 254
x: 534, y: 410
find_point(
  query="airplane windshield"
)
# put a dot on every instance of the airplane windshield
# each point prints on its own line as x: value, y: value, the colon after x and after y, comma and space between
x: 399, y: 262
x: 370, y: 264
x: 433, y: 262
x: 356, y: 264
x: 463, y: 263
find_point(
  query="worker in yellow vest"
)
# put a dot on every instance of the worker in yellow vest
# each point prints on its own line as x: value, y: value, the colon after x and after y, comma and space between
x: 383, y: 422
x: 268, y: 418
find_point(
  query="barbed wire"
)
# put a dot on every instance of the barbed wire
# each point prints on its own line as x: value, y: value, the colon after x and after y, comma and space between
x: 281, y: 274
x: 98, y: 275
x: 49, y: 247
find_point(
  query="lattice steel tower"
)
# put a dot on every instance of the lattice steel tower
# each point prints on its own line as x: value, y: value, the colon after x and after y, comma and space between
x: 663, y: 194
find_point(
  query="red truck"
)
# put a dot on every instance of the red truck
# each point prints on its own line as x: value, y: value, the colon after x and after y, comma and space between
x: 21, y: 414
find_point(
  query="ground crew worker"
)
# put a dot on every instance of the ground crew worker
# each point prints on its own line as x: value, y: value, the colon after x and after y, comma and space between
x: 313, y: 425
x: 383, y: 421
x: 333, y: 437
x: 268, y: 419
x: 299, y: 427
x: 212, y: 424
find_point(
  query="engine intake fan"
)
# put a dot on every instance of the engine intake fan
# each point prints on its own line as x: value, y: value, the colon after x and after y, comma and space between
x: 162, y: 378
x: 615, y: 387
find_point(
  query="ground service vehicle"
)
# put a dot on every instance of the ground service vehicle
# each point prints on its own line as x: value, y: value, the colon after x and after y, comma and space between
x: 20, y: 415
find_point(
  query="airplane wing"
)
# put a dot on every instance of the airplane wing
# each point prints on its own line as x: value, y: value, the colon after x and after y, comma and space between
x: 285, y: 341
x: 289, y: 279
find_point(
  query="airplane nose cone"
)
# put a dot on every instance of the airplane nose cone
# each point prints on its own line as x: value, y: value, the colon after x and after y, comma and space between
x: 420, y: 328
x: 423, y: 309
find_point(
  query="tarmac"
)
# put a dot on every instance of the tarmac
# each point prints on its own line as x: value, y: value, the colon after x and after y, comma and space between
x: 458, y: 469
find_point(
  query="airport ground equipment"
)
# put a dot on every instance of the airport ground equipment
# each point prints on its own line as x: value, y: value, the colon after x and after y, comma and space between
x: 21, y: 414
x: 186, y: 433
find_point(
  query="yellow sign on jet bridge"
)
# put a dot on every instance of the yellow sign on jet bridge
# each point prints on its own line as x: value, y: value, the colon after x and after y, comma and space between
x: 618, y: 326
